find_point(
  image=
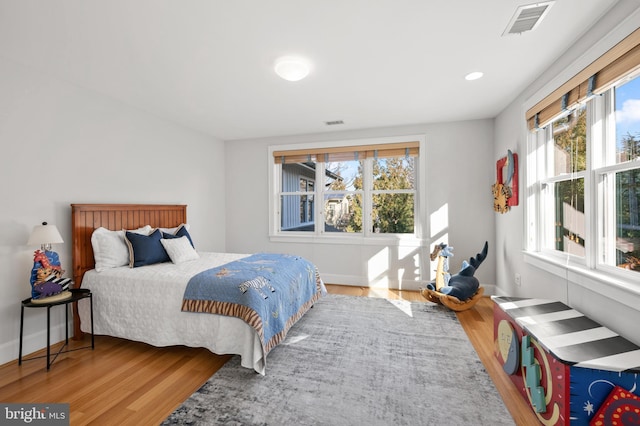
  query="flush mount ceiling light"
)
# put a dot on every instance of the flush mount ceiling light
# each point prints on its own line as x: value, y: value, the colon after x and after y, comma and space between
x: 292, y: 68
x: 473, y: 76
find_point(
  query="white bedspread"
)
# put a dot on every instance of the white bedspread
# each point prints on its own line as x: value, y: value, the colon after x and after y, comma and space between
x: 144, y: 304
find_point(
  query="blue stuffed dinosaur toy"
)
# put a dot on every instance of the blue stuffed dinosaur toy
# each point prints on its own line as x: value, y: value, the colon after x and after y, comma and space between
x: 463, y: 285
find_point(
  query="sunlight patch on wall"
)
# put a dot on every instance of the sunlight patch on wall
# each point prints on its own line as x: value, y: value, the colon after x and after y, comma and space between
x: 404, y: 252
x: 439, y: 222
x: 378, y: 269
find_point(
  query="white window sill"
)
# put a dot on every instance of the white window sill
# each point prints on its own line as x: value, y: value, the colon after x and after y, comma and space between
x: 613, y: 285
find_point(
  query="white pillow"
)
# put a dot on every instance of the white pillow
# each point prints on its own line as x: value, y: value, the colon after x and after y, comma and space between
x: 109, y: 248
x: 173, y: 231
x: 179, y: 249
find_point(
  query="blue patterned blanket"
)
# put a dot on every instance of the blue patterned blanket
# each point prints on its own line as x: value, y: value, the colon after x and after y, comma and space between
x: 270, y: 292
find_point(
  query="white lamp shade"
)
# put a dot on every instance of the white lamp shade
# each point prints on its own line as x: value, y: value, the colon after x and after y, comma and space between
x: 45, y: 234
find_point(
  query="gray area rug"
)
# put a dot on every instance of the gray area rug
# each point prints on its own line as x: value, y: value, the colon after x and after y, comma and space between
x: 357, y: 361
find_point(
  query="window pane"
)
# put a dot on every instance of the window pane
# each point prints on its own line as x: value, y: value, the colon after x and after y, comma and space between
x: 296, y: 210
x: 569, y: 217
x: 394, y: 173
x: 628, y: 220
x: 628, y: 121
x: 294, y: 213
x: 306, y: 208
x: 343, y: 212
x: 296, y: 176
x: 570, y: 143
x: 343, y: 175
x: 393, y: 213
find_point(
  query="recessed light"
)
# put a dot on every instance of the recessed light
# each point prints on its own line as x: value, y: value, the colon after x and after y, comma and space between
x: 474, y: 76
x: 292, y: 68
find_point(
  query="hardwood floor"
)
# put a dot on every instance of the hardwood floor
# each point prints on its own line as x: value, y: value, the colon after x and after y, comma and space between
x: 130, y: 383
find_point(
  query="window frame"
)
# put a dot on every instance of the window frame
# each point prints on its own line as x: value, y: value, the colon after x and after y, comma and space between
x: 366, y: 236
x: 600, y: 201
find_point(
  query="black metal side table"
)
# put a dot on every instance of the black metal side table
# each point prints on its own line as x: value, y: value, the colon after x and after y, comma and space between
x: 76, y: 294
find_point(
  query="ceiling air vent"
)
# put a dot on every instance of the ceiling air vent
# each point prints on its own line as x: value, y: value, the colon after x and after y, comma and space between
x: 527, y: 17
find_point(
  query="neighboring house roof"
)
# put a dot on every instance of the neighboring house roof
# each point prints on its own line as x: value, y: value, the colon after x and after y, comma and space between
x: 328, y: 173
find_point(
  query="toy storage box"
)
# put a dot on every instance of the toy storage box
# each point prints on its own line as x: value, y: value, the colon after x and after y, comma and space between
x: 563, y: 363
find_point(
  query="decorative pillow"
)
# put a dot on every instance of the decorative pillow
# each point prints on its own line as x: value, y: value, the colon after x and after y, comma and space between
x: 109, y: 248
x: 179, y: 249
x: 181, y: 231
x: 621, y: 407
x: 145, y: 249
x: 173, y: 230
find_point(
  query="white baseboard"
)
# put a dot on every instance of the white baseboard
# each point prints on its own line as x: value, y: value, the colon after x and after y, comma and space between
x: 491, y: 290
x: 494, y: 290
x: 33, y: 342
x: 358, y: 281
x: 352, y: 280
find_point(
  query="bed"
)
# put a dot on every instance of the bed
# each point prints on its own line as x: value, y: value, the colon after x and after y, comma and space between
x: 166, y: 303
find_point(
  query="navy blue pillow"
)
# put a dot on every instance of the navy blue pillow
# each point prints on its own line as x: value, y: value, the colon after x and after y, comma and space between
x: 145, y: 249
x: 181, y: 232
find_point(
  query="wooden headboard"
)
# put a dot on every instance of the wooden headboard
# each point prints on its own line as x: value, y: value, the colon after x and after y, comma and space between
x: 85, y: 218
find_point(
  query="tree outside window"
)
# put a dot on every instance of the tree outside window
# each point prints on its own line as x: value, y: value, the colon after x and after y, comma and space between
x: 569, y: 163
x: 365, y: 190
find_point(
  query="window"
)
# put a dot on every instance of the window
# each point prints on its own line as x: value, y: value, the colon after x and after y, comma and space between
x: 563, y: 186
x: 297, y: 198
x: 392, y: 209
x: 585, y: 174
x: 366, y: 189
x: 619, y: 179
x: 343, y: 192
x: 583, y: 169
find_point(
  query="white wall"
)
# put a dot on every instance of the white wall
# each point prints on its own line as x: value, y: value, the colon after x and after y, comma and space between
x: 460, y: 171
x: 61, y: 144
x: 610, y: 309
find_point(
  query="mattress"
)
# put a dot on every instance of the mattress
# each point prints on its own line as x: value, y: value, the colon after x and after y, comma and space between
x: 144, y: 304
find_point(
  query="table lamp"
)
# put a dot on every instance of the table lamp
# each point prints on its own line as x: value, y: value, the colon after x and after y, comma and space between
x: 47, y: 282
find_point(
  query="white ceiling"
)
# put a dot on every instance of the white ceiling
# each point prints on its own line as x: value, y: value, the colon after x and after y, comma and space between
x: 208, y: 64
